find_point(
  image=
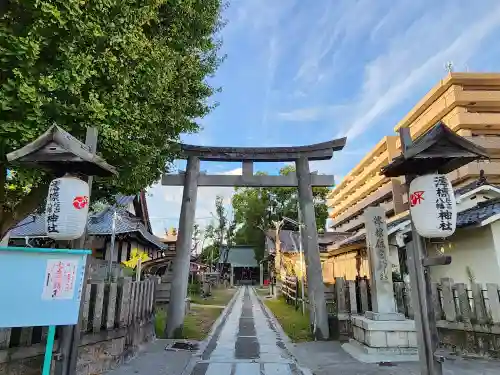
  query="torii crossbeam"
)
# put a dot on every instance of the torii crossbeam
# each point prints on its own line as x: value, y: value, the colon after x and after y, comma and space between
x: 303, y: 179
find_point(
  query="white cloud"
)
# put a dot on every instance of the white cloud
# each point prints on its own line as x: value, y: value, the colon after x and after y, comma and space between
x: 393, y: 76
x: 164, y: 203
x: 400, y: 50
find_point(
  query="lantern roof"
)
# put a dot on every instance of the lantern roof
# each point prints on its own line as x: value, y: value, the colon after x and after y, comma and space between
x: 439, y: 150
x: 59, y: 151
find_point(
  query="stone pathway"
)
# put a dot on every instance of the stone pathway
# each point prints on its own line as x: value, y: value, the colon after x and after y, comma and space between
x: 246, y: 343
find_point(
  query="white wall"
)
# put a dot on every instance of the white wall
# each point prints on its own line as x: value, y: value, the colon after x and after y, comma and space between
x: 495, y: 232
x: 473, y: 248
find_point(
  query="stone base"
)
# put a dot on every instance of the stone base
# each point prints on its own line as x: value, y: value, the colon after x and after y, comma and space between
x: 367, y: 354
x: 383, y: 340
x: 384, y: 316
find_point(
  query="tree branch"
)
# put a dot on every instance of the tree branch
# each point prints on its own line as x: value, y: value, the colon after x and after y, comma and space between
x: 26, y: 206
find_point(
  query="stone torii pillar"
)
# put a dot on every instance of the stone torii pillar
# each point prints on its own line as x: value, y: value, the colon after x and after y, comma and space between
x: 314, y: 274
x: 182, y: 260
x: 303, y: 179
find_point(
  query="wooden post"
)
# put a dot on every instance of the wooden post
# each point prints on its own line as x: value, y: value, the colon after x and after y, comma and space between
x: 463, y: 302
x: 448, y: 299
x: 72, y: 333
x: 178, y: 294
x: 5, y: 337
x: 340, y: 295
x: 425, y: 322
x: 84, y: 323
x: 436, y: 302
x: 97, y: 297
x: 123, y: 304
x: 492, y: 292
x: 400, y: 298
x: 133, y: 300
x: 479, y: 305
x: 111, y: 306
x: 261, y: 274
x: 352, y: 297
x: 363, y: 291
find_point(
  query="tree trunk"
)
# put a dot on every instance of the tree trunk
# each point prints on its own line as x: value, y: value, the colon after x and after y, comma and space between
x: 27, y: 205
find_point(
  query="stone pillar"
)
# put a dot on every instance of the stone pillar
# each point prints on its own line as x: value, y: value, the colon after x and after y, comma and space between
x: 261, y: 269
x: 232, y: 276
x: 316, y: 289
x: 382, y: 291
x: 180, y: 277
x: 382, y: 335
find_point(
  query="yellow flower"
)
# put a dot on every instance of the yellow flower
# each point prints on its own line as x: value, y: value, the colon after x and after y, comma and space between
x: 135, y: 255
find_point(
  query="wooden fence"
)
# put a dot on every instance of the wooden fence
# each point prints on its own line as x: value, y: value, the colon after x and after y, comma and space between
x: 290, y: 291
x: 343, y: 297
x: 110, y: 310
x: 467, y: 315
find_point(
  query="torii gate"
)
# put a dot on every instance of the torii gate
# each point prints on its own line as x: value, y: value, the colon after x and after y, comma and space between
x: 302, y: 179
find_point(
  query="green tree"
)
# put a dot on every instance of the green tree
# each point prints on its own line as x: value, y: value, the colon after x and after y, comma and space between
x: 136, y: 70
x: 255, y: 209
x: 220, y: 233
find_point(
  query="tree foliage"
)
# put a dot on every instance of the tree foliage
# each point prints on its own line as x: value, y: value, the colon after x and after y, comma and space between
x: 136, y: 70
x: 219, y: 232
x: 255, y: 209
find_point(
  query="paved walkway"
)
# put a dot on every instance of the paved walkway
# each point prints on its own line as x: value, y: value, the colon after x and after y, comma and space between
x: 249, y: 342
x: 246, y: 343
x: 328, y: 358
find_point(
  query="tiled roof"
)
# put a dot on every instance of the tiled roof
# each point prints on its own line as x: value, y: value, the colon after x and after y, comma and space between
x: 240, y: 257
x: 472, y: 216
x: 471, y: 186
x: 480, y: 212
x: 99, y: 224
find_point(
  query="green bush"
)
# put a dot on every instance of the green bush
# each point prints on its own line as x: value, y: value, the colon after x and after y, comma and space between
x: 194, y: 288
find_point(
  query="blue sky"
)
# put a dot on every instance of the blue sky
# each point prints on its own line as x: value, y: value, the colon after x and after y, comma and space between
x: 300, y: 72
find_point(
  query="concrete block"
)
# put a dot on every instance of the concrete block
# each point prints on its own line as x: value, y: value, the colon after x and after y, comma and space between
x: 397, y: 339
x: 375, y: 355
x: 381, y: 325
x: 359, y: 334
x: 375, y: 339
x: 390, y: 316
x: 412, y: 340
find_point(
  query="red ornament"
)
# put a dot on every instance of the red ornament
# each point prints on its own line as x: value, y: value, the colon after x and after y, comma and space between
x: 416, y: 198
x: 80, y: 202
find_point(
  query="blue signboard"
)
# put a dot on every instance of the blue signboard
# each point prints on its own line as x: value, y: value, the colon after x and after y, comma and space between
x: 40, y: 287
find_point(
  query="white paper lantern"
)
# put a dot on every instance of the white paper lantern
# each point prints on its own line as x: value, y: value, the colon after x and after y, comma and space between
x: 67, y: 208
x: 432, y: 205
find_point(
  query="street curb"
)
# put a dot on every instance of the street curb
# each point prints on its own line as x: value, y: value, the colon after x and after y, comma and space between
x: 203, y: 344
x: 287, y: 342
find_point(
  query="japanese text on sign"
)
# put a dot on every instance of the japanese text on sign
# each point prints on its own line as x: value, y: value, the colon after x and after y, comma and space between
x: 380, y: 248
x: 444, y: 204
x: 60, y: 279
x: 53, y: 207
